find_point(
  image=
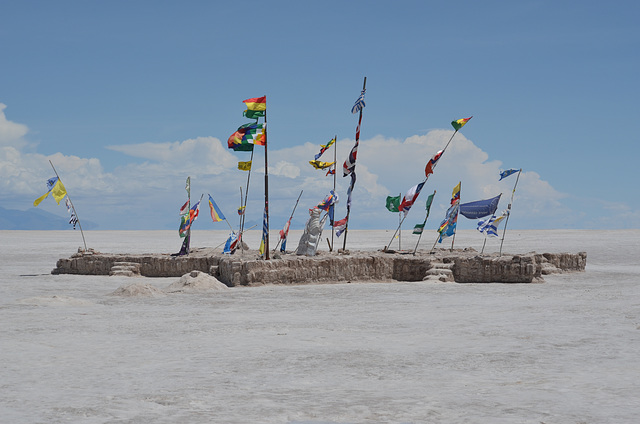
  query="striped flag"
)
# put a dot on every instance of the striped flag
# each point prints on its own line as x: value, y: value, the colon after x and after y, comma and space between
x: 460, y: 123
x: 340, y: 226
x: 490, y: 226
x: 410, y: 197
x: 216, y: 213
x: 359, y: 104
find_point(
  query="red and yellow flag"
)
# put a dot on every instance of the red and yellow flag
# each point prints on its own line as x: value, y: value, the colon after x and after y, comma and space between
x: 256, y: 103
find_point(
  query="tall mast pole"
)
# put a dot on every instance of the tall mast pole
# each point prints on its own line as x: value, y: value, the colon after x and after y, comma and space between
x: 346, y: 228
x: 335, y: 172
x: 266, y: 189
x: 509, y: 209
x: 72, y: 207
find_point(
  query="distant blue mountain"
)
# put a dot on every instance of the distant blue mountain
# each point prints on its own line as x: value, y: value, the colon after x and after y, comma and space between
x: 37, y: 219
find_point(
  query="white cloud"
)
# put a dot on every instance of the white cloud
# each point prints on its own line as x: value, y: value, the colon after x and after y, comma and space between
x: 11, y: 133
x: 147, y: 194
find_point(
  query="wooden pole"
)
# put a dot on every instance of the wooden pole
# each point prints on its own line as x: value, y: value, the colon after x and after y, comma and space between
x: 72, y: 207
x: 290, y: 218
x: 244, y: 207
x: 346, y: 228
x: 504, y: 231
x: 424, y: 223
x: 335, y: 172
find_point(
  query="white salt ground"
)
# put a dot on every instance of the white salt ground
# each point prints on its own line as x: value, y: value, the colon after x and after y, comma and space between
x: 565, y: 351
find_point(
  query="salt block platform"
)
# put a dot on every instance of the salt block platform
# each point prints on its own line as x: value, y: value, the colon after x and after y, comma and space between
x: 247, y: 269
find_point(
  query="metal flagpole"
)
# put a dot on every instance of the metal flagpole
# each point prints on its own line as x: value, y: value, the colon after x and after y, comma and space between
x: 72, y: 207
x: 346, y: 227
x: 504, y: 231
x: 266, y: 189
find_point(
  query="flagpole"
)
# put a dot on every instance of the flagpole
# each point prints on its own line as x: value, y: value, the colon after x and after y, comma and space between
x: 72, y: 207
x: 399, y: 230
x: 394, y: 234
x: 424, y: 222
x: 346, y: 227
x: 290, y: 218
x: 266, y: 189
x: 335, y: 172
x: 504, y: 231
x: 453, y: 240
x: 244, y: 209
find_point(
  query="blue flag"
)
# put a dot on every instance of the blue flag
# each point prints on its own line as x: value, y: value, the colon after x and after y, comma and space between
x: 480, y: 208
x: 505, y: 174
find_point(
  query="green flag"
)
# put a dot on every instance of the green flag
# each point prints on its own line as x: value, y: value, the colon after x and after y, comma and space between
x: 188, y: 187
x: 393, y: 204
x: 429, y: 201
x: 418, y: 229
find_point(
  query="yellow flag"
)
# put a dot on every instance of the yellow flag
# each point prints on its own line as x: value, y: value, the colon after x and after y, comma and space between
x: 320, y: 165
x: 244, y: 166
x: 58, y: 191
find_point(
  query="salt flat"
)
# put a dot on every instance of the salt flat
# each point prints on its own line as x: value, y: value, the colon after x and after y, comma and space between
x: 565, y: 351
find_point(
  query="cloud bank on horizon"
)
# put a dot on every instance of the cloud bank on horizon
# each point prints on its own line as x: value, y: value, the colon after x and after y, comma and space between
x: 146, y: 191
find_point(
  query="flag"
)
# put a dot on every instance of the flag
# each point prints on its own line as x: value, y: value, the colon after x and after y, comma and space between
x: 244, y: 166
x: 188, y: 187
x: 246, y: 136
x: 256, y: 103
x: 418, y: 229
x: 350, y: 164
x: 350, y: 189
x: 194, y: 211
x: 73, y: 220
x: 187, y: 219
x: 393, y: 204
x: 265, y: 233
x: 429, y: 201
x: 216, y: 213
x: 231, y: 244
x: 324, y: 147
x: 490, y: 226
x: 330, y: 200
x: 432, y: 164
x: 455, y: 195
x: 185, y: 208
x: 320, y: 165
x: 283, y: 236
x: 55, y: 187
x: 332, y: 170
x: 241, y: 210
x: 253, y: 114
x: 480, y: 208
x: 460, y: 123
x: 448, y: 225
x: 359, y: 104
x: 410, y: 197
x: 184, y: 225
x: 340, y: 226
x: 505, y: 174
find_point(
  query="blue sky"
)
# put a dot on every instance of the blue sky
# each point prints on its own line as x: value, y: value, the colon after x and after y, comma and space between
x: 128, y: 98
